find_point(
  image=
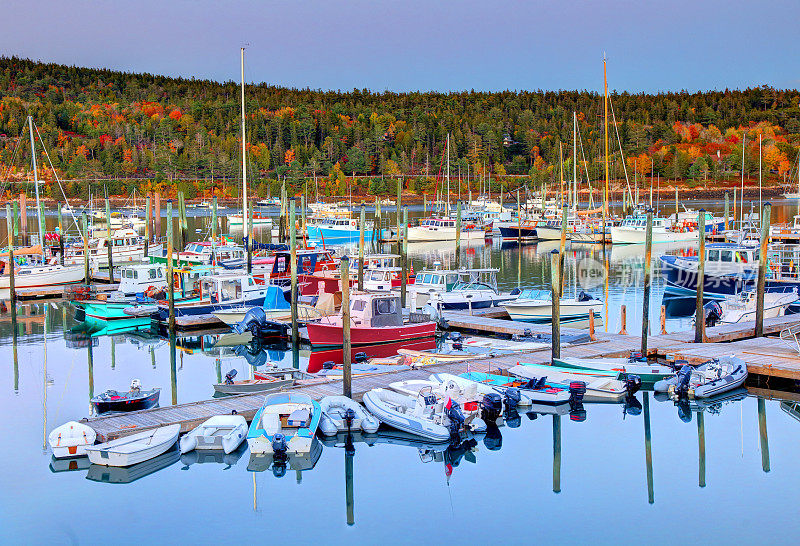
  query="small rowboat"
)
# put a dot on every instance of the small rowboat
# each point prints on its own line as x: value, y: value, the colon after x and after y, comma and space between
x: 71, y: 439
x: 219, y: 433
x: 253, y: 385
x: 136, y: 448
x: 133, y: 400
x: 601, y: 386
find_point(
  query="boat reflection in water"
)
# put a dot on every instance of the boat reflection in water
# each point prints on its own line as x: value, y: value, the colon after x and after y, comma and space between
x: 128, y: 474
x: 204, y: 456
x: 712, y: 404
x: 69, y: 465
x: 317, y: 358
x: 279, y: 464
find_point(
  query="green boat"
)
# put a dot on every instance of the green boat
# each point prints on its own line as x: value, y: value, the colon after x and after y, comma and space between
x: 647, y: 372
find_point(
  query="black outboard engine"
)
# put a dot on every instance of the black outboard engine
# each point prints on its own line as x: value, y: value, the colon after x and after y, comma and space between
x: 681, y: 390
x: 328, y: 365
x: 684, y: 410
x: 360, y: 358
x: 512, y: 418
x: 583, y: 296
x: 453, y: 412
x: 229, y: 376
x: 253, y: 320
x: 349, y: 445
x: 279, y: 467
x: 577, y: 413
x: 279, y: 446
x: 712, y: 313
x: 511, y: 397
x: 349, y: 417
x: 458, y: 341
x: 492, y: 407
x: 632, y: 384
x: 631, y: 406
x: 577, y: 389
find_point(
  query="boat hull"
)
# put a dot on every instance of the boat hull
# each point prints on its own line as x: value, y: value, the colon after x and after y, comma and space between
x: 625, y: 235
x: 331, y: 335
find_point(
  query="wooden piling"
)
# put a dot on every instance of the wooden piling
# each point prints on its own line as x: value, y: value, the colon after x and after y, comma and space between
x: 663, y: 320
x: 591, y: 325
x: 699, y: 318
x: 763, y: 264
x: 87, y: 278
x: 109, y: 243
x: 15, y: 207
x: 519, y: 221
x: 734, y: 207
x: 293, y: 239
x: 556, y: 453
x: 404, y: 260
x: 347, y: 377
x: 762, y: 434
x: 555, y: 290
x: 157, y: 230
x: 23, y: 205
x: 361, y: 221
x: 11, y: 288
x: 399, y: 205
x: 170, y: 279
x: 563, y: 246
x: 458, y: 235
x: 701, y: 449
x: 60, y: 233
x: 349, y: 455
x: 214, y: 220
x: 247, y: 232
x: 727, y: 208
x: 147, y: 228
x: 623, y: 317
x: 648, y: 447
x: 648, y: 255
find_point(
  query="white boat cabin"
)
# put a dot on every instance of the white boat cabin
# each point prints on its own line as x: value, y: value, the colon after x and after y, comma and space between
x: 375, y: 310
x: 438, y: 223
x: 138, y: 278
x: 379, y: 279
x: 231, y: 288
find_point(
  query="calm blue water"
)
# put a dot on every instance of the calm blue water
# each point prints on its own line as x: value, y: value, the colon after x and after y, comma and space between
x: 595, y: 488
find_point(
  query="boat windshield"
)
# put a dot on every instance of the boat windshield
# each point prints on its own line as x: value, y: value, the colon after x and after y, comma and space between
x: 535, y: 294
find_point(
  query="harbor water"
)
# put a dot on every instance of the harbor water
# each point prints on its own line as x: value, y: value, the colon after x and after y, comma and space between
x: 653, y: 472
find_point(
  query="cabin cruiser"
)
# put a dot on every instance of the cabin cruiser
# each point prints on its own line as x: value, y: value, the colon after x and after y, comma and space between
x: 200, y: 253
x: 32, y: 270
x: 443, y: 229
x: 550, y: 230
x: 633, y: 229
x: 338, y: 229
x: 456, y: 289
x: 126, y: 246
x: 728, y: 269
x: 220, y: 291
x: 535, y: 305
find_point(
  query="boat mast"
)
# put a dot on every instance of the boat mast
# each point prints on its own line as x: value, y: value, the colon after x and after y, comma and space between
x: 759, y: 179
x: 605, y: 120
x: 448, y: 174
x: 575, y: 160
x: 245, y: 216
x: 741, y: 204
x: 36, y: 186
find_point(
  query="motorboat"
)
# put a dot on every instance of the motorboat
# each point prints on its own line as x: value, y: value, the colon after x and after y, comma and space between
x: 728, y: 269
x: 126, y: 247
x: 647, y: 372
x: 342, y: 414
x: 136, y: 448
x: 286, y: 424
x: 443, y: 229
x: 633, y: 229
x: 133, y: 400
x: 38, y: 271
x: 466, y: 397
x: 267, y: 383
x: 375, y: 319
x: 71, y: 439
x: 600, y: 386
x: 742, y: 307
x: 536, y: 305
x: 709, y: 379
x: 419, y: 415
x: 475, y: 289
x: 275, y: 307
x: 530, y: 394
x: 219, y: 433
x: 220, y: 291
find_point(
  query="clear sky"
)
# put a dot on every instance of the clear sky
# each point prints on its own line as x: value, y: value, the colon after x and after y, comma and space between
x: 410, y: 44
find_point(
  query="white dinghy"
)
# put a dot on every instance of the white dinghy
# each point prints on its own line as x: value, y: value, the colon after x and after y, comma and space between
x: 418, y: 415
x: 341, y: 414
x: 219, y: 433
x: 136, y: 448
x: 71, y: 439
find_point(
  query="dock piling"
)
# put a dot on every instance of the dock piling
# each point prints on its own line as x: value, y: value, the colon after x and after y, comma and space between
x: 157, y: 231
x: 86, y: 274
x: 170, y: 275
x: 109, y: 243
x: 361, y: 222
x: 663, y: 320
x: 555, y: 288
x: 648, y: 447
x: 404, y: 260
x: 347, y: 377
x: 701, y: 449
x: 699, y: 318
x: 591, y: 325
x: 147, y: 228
x: 399, y: 205
x: 648, y: 254
x: 762, y: 269
x: 727, y: 208
x: 214, y: 220
x: 458, y: 235
x: 60, y: 233
x: 762, y: 434
x: 293, y: 240
x: 556, y: 454
x: 623, y: 317
x: 11, y: 288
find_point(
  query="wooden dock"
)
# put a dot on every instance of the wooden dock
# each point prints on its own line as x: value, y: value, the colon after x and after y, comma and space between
x: 482, y: 323
x: 58, y: 291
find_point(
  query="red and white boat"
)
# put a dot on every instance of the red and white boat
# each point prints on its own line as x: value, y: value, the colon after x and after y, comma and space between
x: 375, y: 319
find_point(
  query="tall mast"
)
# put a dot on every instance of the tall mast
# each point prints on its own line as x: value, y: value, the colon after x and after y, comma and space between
x: 575, y: 160
x: 36, y: 186
x: 561, y: 176
x: 245, y: 216
x: 605, y: 191
x: 759, y: 178
x: 741, y: 203
x: 448, y: 174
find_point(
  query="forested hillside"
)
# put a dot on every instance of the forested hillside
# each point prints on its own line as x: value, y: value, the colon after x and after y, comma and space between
x: 140, y: 130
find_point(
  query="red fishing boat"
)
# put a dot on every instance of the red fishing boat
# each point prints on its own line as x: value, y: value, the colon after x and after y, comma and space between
x: 375, y: 319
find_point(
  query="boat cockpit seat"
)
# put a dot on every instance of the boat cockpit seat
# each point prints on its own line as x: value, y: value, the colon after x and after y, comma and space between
x: 299, y: 418
x: 271, y: 423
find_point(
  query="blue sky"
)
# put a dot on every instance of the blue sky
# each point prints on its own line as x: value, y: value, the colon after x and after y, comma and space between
x: 410, y: 45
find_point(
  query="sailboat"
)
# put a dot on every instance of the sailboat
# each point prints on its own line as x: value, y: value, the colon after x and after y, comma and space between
x: 38, y: 270
x: 795, y: 195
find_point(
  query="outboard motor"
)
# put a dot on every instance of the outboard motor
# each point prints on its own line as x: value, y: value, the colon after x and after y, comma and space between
x: 458, y: 341
x: 492, y: 407
x: 577, y: 389
x: 511, y: 397
x: 631, y: 406
x: 512, y: 418
x: 360, y: 358
x: 253, y: 320
x: 577, y: 413
x: 684, y: 410
x: 349, y: 446
x: 328, y: 365
x: 349, y: 417
x: 229, y: 376
x: 682, y: 388
x: 279, y: 446
x: 278, y: 467
x: 453, y: 412
x: 583, y: 296
x: 632, y: 384
x: 712, y: 313
x: 637, y: 356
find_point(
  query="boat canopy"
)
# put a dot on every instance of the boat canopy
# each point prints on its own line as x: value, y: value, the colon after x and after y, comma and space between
x: 274, y: 299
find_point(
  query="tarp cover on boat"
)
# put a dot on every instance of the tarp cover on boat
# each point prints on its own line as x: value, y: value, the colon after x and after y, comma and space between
x: 274, y: 299
x: 24, y: 251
